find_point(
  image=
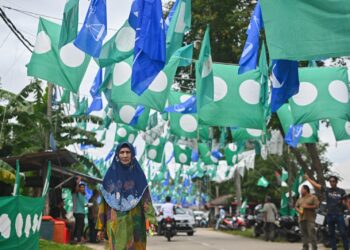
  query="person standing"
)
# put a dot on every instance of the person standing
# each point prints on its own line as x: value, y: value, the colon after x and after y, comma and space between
x: 79, y: 209
x: 222, y: 215
x: 270, y: 215
x: 92, y: 216
x: 335, y: 199
x: 126, y: 202
x: 306, y: 207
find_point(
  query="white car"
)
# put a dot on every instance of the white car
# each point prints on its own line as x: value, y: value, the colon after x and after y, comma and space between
x: 184, y: 221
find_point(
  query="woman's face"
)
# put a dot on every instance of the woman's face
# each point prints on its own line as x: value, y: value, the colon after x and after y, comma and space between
x: 125, y: 156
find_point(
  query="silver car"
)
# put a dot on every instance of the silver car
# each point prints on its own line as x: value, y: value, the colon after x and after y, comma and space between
x: 184, y: 221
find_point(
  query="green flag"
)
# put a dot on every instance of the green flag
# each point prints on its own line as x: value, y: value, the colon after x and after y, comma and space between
x: 182, y: 154
x: 309, y: 130
x: 284, y: 175
x: 124, y: 113
x: 70, y: 21
x: 237, y: 99
x: 306, y: 30
x: 243, y: 208
x: 323, y: 94
x: 242, y: 134
x: 17, y: 181
x: 157, y: 93
x: 65, y: 67
x: 155, y: 150
x: 205, y: 154
x: 299, y: 178
x: 284, y: 210
x: 204, y: 73
x: 205, y: 133
x: 125, y: 133
x: 82, y: 107
x: 341, y: 129
x: 262, y: 182
x: 179, y: 25
x: 231, y: 154
x: 182, y: 125
x: 65, y: 98
x: 47, y: 180
x: 119, y: 47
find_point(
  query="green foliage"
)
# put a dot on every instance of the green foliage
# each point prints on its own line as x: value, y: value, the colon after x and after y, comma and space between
x: 50, y: 245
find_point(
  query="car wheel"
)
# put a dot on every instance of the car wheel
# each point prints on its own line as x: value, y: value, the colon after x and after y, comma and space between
x: 243, y: 228
x: 190, y: 233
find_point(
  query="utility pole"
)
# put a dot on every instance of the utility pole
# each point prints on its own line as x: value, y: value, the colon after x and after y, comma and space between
x: 47, y: 142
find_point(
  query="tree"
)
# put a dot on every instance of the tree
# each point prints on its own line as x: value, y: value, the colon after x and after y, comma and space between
x: 25, y: 123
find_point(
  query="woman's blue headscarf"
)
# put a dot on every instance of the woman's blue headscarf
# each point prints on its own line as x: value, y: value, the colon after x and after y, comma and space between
x: 123, y: 185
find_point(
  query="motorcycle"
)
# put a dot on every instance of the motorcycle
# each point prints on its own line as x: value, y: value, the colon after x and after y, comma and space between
x: 234, y: 223
x: 169, y: 228
x: 258, y: 227
x: 288, y: 227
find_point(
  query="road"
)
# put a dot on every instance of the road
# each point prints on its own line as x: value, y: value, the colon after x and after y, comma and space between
x: 207, y: 239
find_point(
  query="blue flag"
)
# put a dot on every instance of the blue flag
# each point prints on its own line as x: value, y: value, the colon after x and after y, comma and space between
x: 96, y: 104
x: 195, y: 155
x: 249, y: 57
x: 52, y: 142
x: 138, y: 113
x: 94, y: 29
x: 293, y: 135
x: 134, y: 12
x: 97, y: 84
x: 110, y: 154
x: 85, y: 147
x: 170, y: 158
x: 170, y: 15
x: 217, y: 154
x: 285, y: 82
x: 187, y: 107
x: 149, y: 52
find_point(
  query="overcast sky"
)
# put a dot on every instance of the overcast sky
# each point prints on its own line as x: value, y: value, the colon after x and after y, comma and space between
x: 14, y: 56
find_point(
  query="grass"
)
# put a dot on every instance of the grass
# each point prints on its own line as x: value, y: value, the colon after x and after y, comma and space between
x: 249, y: 234
x: 50, y: 245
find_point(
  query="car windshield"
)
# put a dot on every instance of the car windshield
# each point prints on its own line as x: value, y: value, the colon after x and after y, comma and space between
x: 180, y: 211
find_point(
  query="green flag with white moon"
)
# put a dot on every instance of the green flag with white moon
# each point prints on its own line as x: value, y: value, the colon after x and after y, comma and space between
x: 119, y: 47
x: 182, y: 154
x: 323, y: 94
x: 124, y: 113
x: 125, y: 133
x: 157, y: 93
x: 341, y: 129
x: 309, y: 130
x: 179, y: 25
x: 154, y: 151
x: 204, y: 73
x: 182, y: 125
x: 236, y: 99
x: 65, y: 67
x: 306, y: 30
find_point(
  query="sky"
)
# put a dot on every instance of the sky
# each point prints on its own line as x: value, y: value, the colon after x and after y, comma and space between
x: 14, y: 56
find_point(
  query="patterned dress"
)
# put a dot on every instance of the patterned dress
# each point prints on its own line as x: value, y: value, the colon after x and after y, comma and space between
x: 126, y: 230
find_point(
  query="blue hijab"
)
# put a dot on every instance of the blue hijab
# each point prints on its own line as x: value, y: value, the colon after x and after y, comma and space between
x: 123, y: 185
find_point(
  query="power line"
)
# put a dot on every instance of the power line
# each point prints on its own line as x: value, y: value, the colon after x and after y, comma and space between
x: 4, y: 41
x: 15, y: 31
x: 38, y: 15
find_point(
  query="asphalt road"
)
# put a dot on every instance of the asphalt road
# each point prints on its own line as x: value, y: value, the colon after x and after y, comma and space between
x: 207, y: 239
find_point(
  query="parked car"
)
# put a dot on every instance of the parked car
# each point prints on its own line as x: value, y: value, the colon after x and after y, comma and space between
x: 184, y: 221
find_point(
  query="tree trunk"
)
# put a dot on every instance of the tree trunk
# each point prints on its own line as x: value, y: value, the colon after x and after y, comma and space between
x: 238, y: 189
x: 316, y: 163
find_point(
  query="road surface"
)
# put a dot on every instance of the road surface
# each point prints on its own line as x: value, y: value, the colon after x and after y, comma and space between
x: 207, y: 239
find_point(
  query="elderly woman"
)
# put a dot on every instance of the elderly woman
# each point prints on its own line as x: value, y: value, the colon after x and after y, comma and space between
x: 126, y: 202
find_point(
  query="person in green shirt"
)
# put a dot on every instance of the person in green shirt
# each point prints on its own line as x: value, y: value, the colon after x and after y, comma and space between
x: 79, y: 209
